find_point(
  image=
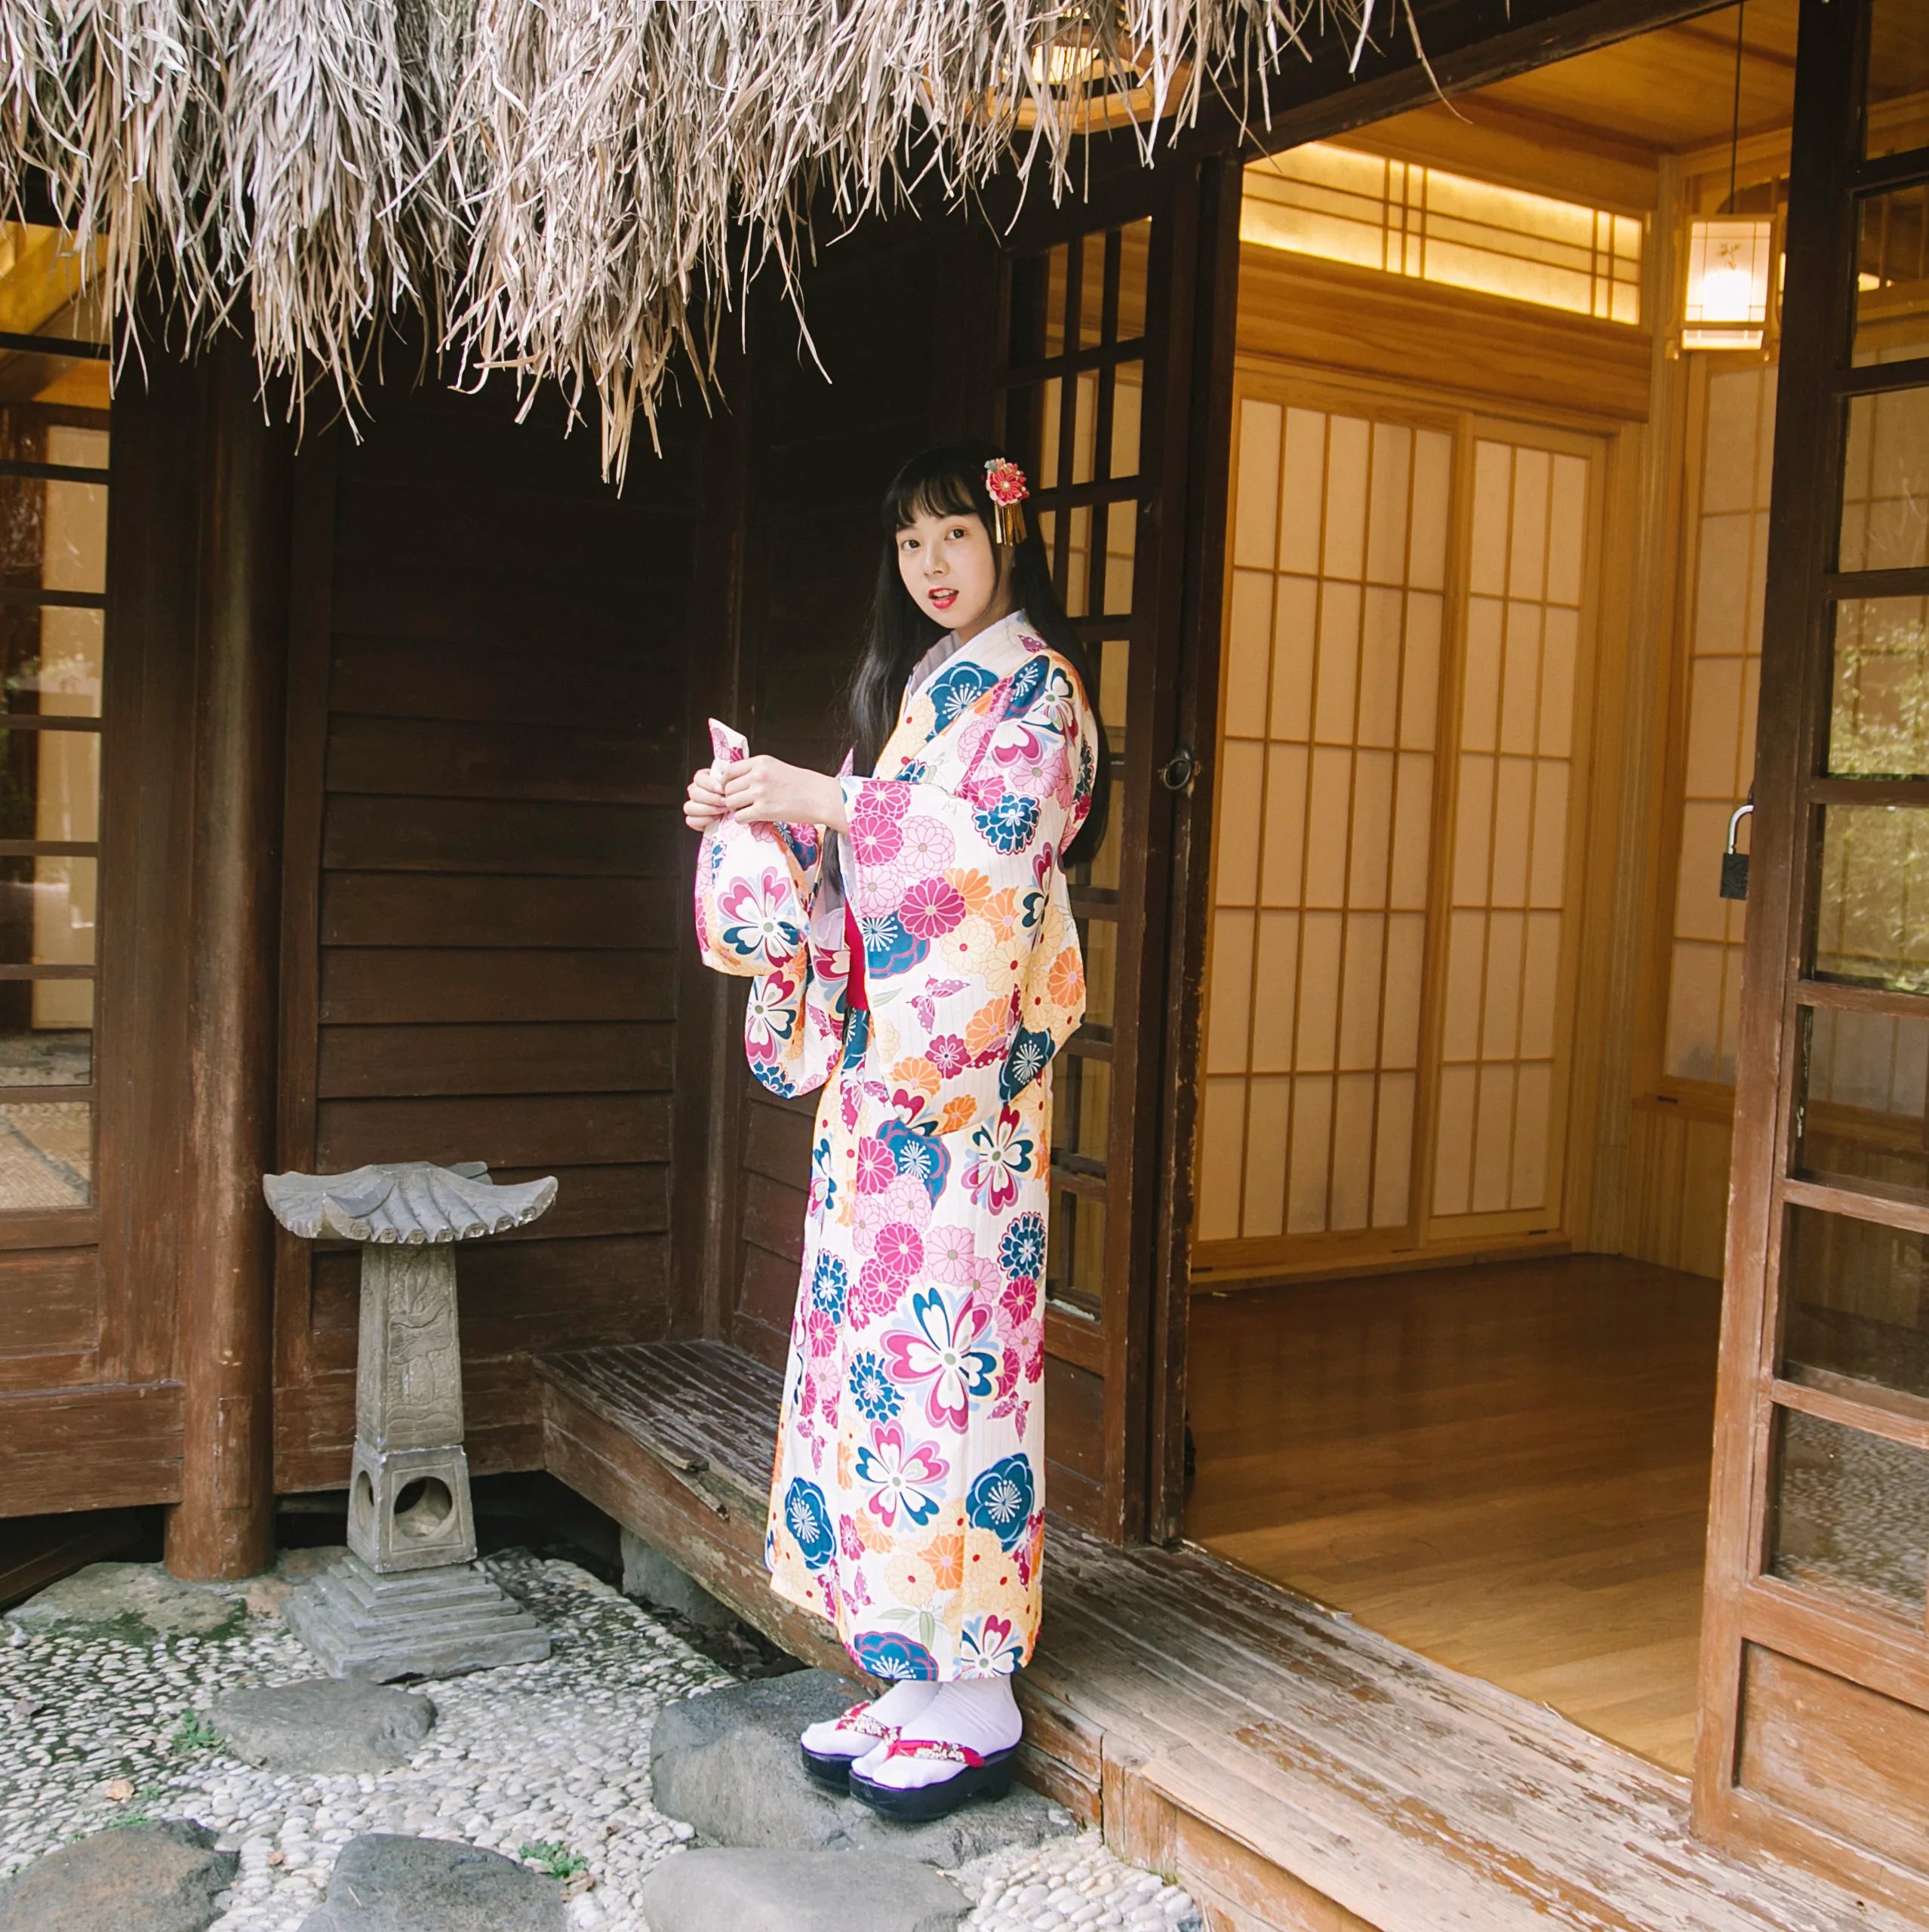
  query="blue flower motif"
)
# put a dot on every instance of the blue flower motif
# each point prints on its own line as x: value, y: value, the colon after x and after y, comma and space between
x: 1000, y: 1500
x: 1022, y: 1250
x: 922, y: 1155
x: 808, y: 1520
x: 1008, y: 825
x: 829, y: 1284
x: 856, y: 1034
x: 1025, y: 683
x: 957, y: 688
x: 888, y: 947
x: 1028, y: 1055
x: 871, y: 1389
x: 885, y: 1653
x: 914, y: 772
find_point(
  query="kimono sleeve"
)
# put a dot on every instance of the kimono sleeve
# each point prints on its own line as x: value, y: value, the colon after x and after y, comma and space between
x: 970, y: 955
x: 758, y: 917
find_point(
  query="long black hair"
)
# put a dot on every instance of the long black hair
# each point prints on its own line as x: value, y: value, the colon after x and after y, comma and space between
x: 950, y: 481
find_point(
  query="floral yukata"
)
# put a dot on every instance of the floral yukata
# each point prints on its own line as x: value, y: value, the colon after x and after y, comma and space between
x: 907, y: 1505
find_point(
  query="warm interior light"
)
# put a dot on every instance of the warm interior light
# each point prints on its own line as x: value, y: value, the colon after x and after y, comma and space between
x: 1728, y: 283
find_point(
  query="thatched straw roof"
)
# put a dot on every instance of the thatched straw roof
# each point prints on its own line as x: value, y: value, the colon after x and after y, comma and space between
x: 562, y: 188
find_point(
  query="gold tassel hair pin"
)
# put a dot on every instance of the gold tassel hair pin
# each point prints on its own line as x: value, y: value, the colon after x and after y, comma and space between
x: 1005, y: 485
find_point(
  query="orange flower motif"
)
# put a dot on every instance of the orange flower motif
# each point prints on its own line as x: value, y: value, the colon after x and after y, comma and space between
x: 1001, y: 909
x: 1065, y: 982
x: 871, y: 1533
x: 971, y: 886
x: 944, y: 1556
x: 918, y: 1073
x: 959, y: 1113
x: 989, y: 1026
x: 844, y: 1459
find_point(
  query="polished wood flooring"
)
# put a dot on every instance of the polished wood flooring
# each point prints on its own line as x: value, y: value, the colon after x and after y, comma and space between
x: 1504, y: 1468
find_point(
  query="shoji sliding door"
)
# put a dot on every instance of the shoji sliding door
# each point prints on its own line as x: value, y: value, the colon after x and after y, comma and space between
x: 1396, y: 854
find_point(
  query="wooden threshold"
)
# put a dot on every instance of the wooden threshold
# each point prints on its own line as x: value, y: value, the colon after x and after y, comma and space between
x: 1292, y: 1770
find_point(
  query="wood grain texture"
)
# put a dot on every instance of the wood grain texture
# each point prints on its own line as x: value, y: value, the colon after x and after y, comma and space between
x: 94, y: 1448
x: 1292, y: 1768
x: 1506, y: 1469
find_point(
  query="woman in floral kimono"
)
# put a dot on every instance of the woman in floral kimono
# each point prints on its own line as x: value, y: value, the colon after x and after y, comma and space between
x: 913, y: 945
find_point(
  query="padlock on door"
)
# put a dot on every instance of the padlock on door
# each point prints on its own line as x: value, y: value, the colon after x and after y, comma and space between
x: 1734, y: 865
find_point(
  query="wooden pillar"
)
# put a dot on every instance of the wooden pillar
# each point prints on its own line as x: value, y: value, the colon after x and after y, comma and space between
x: 223, y: 1526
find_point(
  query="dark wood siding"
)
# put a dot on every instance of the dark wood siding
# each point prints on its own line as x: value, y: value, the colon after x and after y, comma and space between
x: 485, y: 891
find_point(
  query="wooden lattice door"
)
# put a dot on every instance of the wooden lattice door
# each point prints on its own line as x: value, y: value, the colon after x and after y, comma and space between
x: 1815, y: 1723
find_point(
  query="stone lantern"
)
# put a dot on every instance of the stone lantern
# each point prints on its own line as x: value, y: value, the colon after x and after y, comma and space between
x: 409, y: 1599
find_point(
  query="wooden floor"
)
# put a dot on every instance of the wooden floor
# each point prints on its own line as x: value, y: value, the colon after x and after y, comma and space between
x: 1504, y: 1468
x: 1296, y: 1772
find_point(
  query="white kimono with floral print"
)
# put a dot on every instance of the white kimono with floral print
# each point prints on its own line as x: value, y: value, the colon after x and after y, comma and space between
x: 907, y: 1505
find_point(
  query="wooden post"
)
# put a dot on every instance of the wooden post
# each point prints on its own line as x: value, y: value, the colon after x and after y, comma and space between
x: 223, y: 1526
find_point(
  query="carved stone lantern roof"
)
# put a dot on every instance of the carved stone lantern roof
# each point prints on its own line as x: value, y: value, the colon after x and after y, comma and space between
x: 409, y: 1201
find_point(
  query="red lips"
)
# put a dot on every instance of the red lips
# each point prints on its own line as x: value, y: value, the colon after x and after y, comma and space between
x: 943, y: 599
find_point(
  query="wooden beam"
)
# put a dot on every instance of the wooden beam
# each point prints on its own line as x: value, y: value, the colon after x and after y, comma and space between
x: 223, y: 1526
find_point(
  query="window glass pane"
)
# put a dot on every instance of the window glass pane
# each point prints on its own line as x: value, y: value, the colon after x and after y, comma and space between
x: 1128, y: 390
x: 1085, y: 426
x: 1074, y: 1265
x: 1892, y: 269
x: 1122, y: 531
x: 1865, y: 1092
x: 47, y: 911
x: 1091, y: 291
x: 51, y: 1052
x: 1850, y: 1514
x: 1098, y: 940
x: 1101, y: 867
x: 1114, y: 669
x: 1135, y: 250
x: 1898, y: 76
x: 1056, y: 279
x: 1878, y: 724
x: 46, y: 1155
x: 1885, y: 482
x: 1858, y: 1302
x: 50, y: 786
x: 1873, y: 899
x: 1081, y: 1106
x: 1074, y: 587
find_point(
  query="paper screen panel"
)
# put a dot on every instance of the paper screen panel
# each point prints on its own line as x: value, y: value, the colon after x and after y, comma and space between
x: 1724, y: 673
x: 1334, y: 624
x: 1509, y: 885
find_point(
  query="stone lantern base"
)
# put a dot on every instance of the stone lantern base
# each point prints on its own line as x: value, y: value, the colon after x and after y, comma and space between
x: 435, y: 1622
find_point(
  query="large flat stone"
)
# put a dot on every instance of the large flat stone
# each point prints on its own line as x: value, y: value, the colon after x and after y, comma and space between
x: 799, y: 1891
x: 726, y: 1764
x: 382, y: 1883
x: 140, y: 1878
x: 323, y: 1725
x: 137, y: 1603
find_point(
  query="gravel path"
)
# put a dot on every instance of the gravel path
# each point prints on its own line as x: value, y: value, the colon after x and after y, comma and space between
x: 554, y: 1755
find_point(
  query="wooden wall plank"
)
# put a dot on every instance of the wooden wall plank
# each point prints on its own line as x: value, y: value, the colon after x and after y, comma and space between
x: 371, y: 985
x: 538, y: 1057
x: 50, y: 1301
x: 372, y: 908
x: 534, y: 838
x: 98, y: 1448
x: 393, y: 676
x: 530, y: 1133
x: 439, y: 758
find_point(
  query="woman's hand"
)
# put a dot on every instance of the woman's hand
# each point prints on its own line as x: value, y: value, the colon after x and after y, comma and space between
x: 764, y: 790
x: 704, y: 805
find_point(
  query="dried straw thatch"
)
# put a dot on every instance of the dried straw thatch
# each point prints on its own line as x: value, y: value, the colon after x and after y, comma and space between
x: 562, y: 188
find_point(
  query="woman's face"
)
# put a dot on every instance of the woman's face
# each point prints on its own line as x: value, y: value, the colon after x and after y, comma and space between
x: 953, y: 572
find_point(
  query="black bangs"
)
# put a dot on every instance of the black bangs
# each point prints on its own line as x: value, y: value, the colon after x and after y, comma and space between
x: 949, y: 481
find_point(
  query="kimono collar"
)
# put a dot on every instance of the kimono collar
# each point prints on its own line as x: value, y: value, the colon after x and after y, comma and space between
x: 997, y: 648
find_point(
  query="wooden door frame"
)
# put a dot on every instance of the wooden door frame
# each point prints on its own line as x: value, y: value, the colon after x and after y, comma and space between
x: 1746, y: 1605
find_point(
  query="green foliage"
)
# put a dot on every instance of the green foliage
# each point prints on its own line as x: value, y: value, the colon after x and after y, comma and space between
x: 194, y: 1732
x: 554, y: 1859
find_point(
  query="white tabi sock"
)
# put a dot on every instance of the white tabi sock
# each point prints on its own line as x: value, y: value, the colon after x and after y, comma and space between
x: 978, y: 1712
x: 898, y: 1705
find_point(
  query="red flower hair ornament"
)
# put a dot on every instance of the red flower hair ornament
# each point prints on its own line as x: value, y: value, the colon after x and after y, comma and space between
x: 1005, y: 485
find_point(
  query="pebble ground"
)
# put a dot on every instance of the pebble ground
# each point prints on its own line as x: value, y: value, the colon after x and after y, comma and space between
x: 555, y: 1755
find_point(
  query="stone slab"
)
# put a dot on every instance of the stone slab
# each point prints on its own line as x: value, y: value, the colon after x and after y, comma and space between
x: 417, y: 1623
x: 161, y: 1877
x: 799, y: 1891
x: 323, y: 1725
x: 726, y: 1764
x: 385, y: 1883
x: 135, y: 1603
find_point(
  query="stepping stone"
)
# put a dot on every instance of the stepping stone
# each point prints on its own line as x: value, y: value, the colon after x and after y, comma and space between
x: 726, y: 1762
x: 386, y: 1883
x: 323, y: 1725
x: 159, y: 1878
x: 799, y: 1891
x: 137, y: 1603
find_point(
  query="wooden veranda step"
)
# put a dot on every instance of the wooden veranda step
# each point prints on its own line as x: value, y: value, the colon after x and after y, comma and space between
x: 1294, y: 1770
